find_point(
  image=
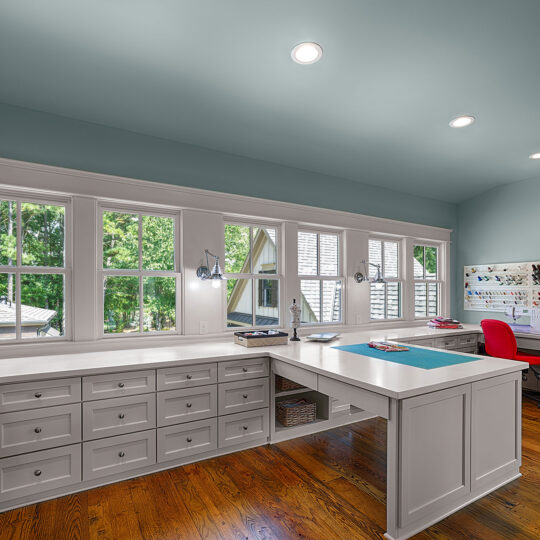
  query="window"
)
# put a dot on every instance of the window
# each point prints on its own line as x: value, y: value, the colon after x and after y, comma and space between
x: 33, y: 269
x: 140, y: 281
x: 426, y: 281
x: 252, y: 300
x: 320, y: 280
x: 385, y: 298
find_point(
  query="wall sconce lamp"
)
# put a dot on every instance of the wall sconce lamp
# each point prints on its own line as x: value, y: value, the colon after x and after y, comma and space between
x: 216, y: 276
x: 360, y: 277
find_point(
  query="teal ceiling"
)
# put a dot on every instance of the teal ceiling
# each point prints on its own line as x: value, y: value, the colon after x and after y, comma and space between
x: 217, y: 73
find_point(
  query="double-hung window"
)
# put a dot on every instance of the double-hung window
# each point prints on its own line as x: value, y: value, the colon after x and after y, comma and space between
x: 253, y: 279
x: 140, y: 276
x: 427, y: 283
x: 385, y: 298
x: 34, y: 269
x: 321, y: 282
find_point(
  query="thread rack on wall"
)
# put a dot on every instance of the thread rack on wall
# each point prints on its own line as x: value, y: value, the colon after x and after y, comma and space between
x: 497, y: 287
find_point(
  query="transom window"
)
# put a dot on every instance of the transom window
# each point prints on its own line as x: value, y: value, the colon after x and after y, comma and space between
x: 140, y: 280
x: 321, y: 283
x: 33, y: 269
x: 385, y: 298
x: 250, y: 252
x: 426, y: 281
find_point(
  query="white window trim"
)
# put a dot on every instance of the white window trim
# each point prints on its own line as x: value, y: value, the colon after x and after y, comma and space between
x: 102, y: 273
x: 340, y: 277
x: 400, y: 279
x: 277, y: 276
x: 18, y: 269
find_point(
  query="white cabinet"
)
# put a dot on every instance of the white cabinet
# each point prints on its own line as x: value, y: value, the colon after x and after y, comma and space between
x: 187, y: 376
x: 177, y: 406
x: 118, y: 454
x: 38, y: 472
x: 118, y: 384
x: 496, y: 428
x: 239, y: 370
x: 243, y: 427
x: 36, y: 394
x: 243, y: 395
x: 116, y: 416
x: 27, y: 431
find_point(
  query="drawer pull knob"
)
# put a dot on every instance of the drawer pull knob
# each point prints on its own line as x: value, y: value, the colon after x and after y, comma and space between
x: 121, y: 385
x: 121, y: 416
x: 121, y: 454
x: 189, y: 377
x: 245, y: 396
x: 37, y: 430
x: 37, y: 472
x: 188, y: 405
x: 244, y: 369
x: 37, y: 394
x: 189, y: 439
x: 244, y: 428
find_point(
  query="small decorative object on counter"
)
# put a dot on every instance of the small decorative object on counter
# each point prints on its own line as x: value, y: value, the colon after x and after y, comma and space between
x: 294, y: 412
x: 261, y: 338
x: 295, y: 319
x: 444, y: 323
x: 387, y: 347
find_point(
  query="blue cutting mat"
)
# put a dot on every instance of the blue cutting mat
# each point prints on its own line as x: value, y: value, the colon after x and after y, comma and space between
x: 420, y: 358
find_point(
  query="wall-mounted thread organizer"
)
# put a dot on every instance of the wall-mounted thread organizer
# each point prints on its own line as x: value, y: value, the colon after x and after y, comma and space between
x: 497, y: 287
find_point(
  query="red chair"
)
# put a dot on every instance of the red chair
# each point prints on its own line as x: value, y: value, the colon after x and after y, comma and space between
x: 501, y: 342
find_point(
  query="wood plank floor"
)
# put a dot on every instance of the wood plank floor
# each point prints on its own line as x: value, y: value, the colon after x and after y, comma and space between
x: 325, y: 486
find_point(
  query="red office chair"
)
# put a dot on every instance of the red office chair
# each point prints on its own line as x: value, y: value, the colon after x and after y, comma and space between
x: 501, y: 342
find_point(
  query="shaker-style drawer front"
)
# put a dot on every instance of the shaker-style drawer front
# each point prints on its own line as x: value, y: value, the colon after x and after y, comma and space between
x: 119, y: 415
x: 243, y: 396
x: 27, y: 431
x: 32, y: 395
x: 176, y: 442
x: 37, y: 472
x: 243, y: 427
x: 467, y: 339
x: 177, y: 406
x: 186, y: 376
x: 446, y: 342
x: 118, y: 454
x: 238, y: 370
x: 118, y: 384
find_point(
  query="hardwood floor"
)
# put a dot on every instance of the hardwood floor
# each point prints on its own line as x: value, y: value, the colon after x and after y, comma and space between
x: 325, y: 486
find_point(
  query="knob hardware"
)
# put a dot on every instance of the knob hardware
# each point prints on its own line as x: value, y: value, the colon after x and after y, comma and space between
x: 245, y: 396
x: 244, y: 369
x: 121, y: 415
x: 37, y: 472
x: 37, y: 394
x: 189, y: 377
x: 244, y: 428
x: 188, y: 405
x: 189, y: 439
x: 121, y: 454
x: 37, y: 430
x: 121, y: 385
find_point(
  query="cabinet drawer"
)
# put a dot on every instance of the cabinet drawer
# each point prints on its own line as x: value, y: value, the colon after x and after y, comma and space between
x: 421, y: 342
x: 31, y: 395
x: 119, y: 415
x: 240, y: 396
x: 243, y: 427
x: 118, y: 454
x: 118, y: 384
x: 186, y: 376
x: 467, y: 339
x: 27, y: 431
x: 175, y: 442
x: 238, y: 370
x: 34, y: 473
x: 471, y: 349
x: 449, y: 342
x: 177, y: 406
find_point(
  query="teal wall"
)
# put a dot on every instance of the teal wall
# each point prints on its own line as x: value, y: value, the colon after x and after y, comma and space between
x: 501, y: 225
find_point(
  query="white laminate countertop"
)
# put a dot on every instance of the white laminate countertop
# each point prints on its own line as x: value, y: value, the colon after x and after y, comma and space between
x: 386, y: 378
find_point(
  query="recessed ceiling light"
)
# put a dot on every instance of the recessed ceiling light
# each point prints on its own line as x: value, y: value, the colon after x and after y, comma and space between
x: 462, y: 121
x: 536, y: 155
x: 306, y: 53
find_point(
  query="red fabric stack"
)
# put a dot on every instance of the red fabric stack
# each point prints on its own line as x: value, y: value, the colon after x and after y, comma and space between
x: 444, y: 323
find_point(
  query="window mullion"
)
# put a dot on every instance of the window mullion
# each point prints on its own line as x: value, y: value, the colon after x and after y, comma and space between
x: 141, y: 306
x: 18, y: 292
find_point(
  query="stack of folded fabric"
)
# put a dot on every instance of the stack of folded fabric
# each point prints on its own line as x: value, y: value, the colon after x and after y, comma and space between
x: 444, y: 323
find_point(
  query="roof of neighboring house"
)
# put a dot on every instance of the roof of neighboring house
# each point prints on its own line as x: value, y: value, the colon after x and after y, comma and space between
x: 244, y: 319
x: 30, y: 315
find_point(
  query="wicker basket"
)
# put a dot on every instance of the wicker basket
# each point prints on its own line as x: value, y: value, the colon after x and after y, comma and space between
x: 261, y: 340
x: 283, y: 384
x: 295, y: 416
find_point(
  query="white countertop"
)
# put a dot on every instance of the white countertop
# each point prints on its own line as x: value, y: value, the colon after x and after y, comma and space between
x: 387, y: 378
